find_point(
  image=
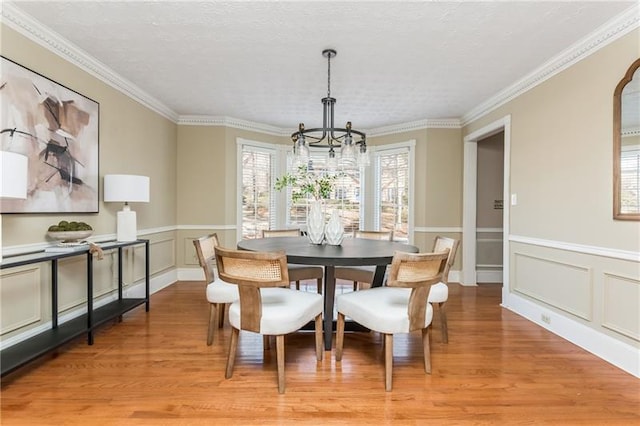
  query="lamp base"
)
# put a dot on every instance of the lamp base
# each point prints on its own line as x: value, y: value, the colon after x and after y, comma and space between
x: 127, y: 230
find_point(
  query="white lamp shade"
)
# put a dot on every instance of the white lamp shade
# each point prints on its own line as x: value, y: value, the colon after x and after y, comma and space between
x: 126, y: 188
x: 13, y: 176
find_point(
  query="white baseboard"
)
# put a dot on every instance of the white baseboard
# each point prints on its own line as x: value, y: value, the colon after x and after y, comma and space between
x: 190, y: 274
x: 156, y: 284
x: 620, y: 354
x: 489, y: 276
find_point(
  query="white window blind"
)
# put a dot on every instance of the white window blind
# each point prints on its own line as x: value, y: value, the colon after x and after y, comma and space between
x: 630, y: 179
x: 392, y: 191
x: 258, y: 198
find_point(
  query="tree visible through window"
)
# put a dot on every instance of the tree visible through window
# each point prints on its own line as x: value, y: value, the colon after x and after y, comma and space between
x: 257, y: 190
x: 387, y: 189
x: 392, y: 192
x: 346, y: 196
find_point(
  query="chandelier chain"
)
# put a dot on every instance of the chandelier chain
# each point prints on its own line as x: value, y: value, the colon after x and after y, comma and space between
x: 329, y: 76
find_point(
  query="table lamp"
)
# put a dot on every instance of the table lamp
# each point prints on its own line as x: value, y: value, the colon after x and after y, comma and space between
x: 13, y: 179
x: 126, y: 189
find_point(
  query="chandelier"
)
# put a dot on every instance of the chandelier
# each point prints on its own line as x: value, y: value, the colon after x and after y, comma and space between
x: 351, y: 143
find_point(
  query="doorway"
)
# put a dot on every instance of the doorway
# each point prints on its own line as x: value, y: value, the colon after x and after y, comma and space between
x: 489, y: 206
x: 469, y: 215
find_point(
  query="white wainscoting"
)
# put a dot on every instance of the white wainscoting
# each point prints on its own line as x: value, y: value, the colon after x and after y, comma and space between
x: 621, y: 296
x: 586, y: 294
x: 26, y: 291
x: 564, y: 285
x: 21, y: 298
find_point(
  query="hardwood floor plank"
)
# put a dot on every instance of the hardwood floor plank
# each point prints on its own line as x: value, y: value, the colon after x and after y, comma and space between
x: 155, y: 368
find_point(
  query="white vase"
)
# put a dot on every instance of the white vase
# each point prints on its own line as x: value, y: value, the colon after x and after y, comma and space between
x: 315, y: 222
x: 334, y: 232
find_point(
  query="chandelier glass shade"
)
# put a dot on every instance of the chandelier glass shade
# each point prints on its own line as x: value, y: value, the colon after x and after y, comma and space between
x: 347, y: 146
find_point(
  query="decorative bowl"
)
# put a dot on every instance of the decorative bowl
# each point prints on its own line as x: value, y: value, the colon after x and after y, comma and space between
x: 70, y: 236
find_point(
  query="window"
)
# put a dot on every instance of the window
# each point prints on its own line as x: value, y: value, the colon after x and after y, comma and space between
x: 393, y: 190
x: 378, y: 197
x: 256, y: 174
x: 346, y: 196
x: 630, y: 179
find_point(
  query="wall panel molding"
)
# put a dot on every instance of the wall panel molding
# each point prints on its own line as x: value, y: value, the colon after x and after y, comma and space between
x: 621, y: 295
x: 163, y: 258
x: 554, y: 283
x: 21, y: 301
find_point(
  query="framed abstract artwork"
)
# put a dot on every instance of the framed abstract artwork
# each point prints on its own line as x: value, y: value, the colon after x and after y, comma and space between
x: 56, y: 128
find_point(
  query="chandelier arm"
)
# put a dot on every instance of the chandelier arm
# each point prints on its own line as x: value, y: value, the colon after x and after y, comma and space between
x: 336, y: 142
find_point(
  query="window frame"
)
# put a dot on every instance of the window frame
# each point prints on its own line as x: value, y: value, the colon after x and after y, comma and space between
x: 374, y: 193
x: 276, y: 152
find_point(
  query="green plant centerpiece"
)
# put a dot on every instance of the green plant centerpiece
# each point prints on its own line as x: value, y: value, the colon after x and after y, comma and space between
x: 304, y: 183
x: 70, y: 232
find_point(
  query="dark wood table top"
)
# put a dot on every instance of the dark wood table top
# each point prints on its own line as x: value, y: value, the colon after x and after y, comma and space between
x: 352, y: 251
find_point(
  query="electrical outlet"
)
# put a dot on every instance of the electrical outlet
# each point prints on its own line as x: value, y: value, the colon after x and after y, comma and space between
x: 546, y: 318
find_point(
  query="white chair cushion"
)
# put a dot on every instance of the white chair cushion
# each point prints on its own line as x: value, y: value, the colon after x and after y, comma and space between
x: 222, y: 292
x: 438, y: 293
x: 283, y: 310
x: 382, y: 309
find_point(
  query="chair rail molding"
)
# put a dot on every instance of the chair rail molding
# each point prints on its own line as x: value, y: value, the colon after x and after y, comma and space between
x: 633, y: 256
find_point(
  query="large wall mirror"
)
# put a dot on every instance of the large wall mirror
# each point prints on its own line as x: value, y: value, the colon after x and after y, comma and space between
x: 626, y: 146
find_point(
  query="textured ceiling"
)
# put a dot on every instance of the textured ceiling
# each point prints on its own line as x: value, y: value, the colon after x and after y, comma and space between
x: 397, y: 61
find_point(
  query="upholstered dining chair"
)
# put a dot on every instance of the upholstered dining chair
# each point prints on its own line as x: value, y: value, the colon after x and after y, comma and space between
x: 219, y: 293
x: 362, y: 274
x: 399, y: 307
x: 439, y: 293
x: 267, y: 305
x: 298, y: 273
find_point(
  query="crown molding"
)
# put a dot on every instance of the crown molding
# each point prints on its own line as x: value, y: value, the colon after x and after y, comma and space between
x: 607, y: 33
x: 236, y: 123
x: 37, y: 32
x: 40, y: 34
x: 442, y: 123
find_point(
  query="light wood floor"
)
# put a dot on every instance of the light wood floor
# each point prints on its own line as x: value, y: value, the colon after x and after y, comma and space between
x: 155, y: 368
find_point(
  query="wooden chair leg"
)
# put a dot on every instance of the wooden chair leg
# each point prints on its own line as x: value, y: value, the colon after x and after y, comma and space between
x: 388, y: 362
x: 319, y: 285
x: 427, y: 350
x: 319, y: 337
x: 280, y: 360
x: 266, y: 343
x: 212, y: 322
x: 297, y: 285
x: 443, y: 322
x: 221, y: 312
x: 339, y: 336
x: 355, y: 285
x: 233, y: 347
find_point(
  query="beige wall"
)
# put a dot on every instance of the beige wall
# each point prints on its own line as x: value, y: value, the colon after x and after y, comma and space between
x: 207, y: 184
x: 561, y: 152
x: 133, y: 140
x: 438, y: 182
x: 561, y: 170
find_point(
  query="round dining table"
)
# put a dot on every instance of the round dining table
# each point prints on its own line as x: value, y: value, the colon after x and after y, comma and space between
x: 352, y: 252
